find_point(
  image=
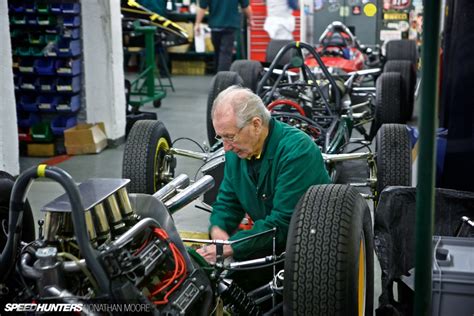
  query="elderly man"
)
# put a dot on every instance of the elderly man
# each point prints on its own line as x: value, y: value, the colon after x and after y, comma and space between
x: 269, y: 165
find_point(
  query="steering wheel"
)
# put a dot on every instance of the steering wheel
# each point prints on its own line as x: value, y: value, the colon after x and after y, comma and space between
x: 290, y: 103
x: 330, y: 51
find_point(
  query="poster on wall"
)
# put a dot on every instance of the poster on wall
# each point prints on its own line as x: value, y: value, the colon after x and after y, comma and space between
x: 401, y: 19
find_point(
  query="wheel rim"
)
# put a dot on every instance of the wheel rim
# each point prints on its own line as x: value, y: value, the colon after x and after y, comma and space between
x: 161, y: 149
x: 361, y: 289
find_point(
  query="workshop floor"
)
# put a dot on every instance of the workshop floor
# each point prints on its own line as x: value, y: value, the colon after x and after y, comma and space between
x: 184, y: 114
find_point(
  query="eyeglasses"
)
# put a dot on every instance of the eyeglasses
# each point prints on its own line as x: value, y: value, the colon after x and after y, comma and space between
x: 229, y: 138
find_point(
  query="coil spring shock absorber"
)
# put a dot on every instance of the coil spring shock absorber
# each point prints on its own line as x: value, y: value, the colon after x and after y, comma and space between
x: 233, y: 295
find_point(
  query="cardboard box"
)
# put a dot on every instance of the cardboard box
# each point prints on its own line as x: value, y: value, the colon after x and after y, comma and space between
x: 85, y: 139
x: 40, y: 150
x: 188, y: 67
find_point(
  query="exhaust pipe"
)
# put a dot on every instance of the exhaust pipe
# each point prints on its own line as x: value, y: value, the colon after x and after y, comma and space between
x: 170, y: 189
x: 190, y: 193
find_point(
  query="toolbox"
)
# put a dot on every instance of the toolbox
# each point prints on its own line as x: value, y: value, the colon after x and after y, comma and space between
x: 453, y: 276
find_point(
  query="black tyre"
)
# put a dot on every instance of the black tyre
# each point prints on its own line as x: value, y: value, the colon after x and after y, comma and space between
x: 408, y: 73
x: 145, y: 159
x: 390, y: 101
x: 329, y: 254
x: 274, y: 47
x: 221, y: 81
x: 249, y: 70
x: 402, y: 50
x: 28, y: 226
x: 393, y: 158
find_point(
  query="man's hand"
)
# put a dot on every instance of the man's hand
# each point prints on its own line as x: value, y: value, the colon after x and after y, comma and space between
x: 250, y: 23
x: 209, y: 252
x: 197, y: 29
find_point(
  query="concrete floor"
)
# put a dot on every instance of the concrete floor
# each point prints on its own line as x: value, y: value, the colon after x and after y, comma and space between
x: 184, y: 114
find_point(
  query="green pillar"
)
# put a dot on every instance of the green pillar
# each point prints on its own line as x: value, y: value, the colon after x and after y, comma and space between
x: 427, y: 157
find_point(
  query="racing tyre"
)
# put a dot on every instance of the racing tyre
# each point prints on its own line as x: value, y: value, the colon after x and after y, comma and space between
x: 393, y: 158
x: 145, y: 161
x: 273, y: 48
x: 221, y: 81
x: 402, y: 50
x: 28, y: 226
x: 250, y: 72
x: 408, y: 74
x: 390, y: 101
x: 329, y: 254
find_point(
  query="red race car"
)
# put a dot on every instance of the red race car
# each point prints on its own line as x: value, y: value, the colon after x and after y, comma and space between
x: 339, y: 49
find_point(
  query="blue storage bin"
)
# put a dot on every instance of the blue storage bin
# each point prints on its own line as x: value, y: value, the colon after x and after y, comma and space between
x: 69, y: 84
x: 28, y: 103
x: 70, y: 8
x: 69, y: 104
x: 17, y: 101
x: 47, y: 103
x: 53, y: 30
x: 26, y: 119
x: 68, y: 48
x: 46, y: 84
x: 45, y: 66
x: 31, y: 20
x: 61, y: 123
x: 71, y: 33
x: 71, y: 21
x: 27, y: 83
x: 68, y: 67
x: 55, y: 8
x: 16, y: 7
x: 26, y: 66
x: 30, y: 7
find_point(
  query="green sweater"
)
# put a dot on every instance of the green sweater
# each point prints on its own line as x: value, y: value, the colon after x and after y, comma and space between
x: 224, y: 13
x: 290, y: 164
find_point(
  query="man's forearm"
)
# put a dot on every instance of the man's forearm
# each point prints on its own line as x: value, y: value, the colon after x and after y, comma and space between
x: 200, y: 15
x: 248, y: 14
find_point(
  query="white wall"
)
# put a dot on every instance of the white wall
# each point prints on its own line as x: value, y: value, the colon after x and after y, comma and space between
x: 103, y: 65
x: 8, y: 126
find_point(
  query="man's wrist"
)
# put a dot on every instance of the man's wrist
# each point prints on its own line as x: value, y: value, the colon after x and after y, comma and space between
x: 228, y: 251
